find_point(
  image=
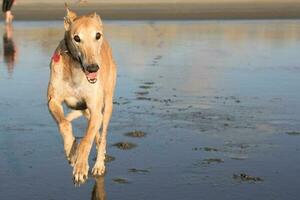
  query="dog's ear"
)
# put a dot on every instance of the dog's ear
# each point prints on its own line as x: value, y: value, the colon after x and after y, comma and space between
x: 95, y: 16
x: 69, y: 18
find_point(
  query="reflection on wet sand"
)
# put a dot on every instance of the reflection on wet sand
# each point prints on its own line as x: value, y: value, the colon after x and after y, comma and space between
x: 10, y: 50
x: 98, y: 192
x: 218, y: 43
x: 172, y: 34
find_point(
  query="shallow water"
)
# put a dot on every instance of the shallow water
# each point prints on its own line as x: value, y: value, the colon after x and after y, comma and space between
x: 216, y: 98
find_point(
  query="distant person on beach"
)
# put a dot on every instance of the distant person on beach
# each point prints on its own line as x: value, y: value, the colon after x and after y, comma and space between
x: 6, y: 9
x: 9, y: 49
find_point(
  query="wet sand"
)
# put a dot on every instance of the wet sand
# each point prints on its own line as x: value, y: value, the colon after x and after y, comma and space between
x: 218, y: 102
x: 162, y: 9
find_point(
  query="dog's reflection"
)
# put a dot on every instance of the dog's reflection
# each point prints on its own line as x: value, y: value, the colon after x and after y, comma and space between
x: 10, y: 51
x: 98, y: 192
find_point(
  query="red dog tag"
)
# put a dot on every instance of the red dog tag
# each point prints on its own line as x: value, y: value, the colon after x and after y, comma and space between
x: 56, y: 57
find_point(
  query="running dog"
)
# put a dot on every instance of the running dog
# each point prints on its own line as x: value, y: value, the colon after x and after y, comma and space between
x: 83, y: 76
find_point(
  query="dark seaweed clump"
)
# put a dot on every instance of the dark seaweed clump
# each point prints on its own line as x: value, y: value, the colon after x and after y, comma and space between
x: 245, y: 177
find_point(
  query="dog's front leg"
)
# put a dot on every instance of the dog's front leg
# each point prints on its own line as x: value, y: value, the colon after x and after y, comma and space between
x: 64, y: 125
x: 81, y: 167
x: 99, y: 167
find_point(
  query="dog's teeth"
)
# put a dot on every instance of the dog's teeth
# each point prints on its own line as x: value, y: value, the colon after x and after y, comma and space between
x: 92, y: 81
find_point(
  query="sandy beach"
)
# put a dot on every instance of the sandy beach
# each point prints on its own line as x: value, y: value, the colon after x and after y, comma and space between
x: 162, y: 9
x: 217, y: 101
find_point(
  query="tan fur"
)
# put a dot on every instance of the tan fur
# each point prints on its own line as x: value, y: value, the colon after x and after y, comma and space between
x: 69, y: 84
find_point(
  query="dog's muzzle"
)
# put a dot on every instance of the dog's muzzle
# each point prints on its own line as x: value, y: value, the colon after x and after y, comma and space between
x: 91, y: 72
x: 92, y: 68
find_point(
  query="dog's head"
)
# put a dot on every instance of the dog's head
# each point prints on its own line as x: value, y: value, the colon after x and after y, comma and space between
x: 84, y: 38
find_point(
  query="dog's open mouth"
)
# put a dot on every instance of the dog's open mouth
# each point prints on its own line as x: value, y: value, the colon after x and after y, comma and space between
x: 91, y: 76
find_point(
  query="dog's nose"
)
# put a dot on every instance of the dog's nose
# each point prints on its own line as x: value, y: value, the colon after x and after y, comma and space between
x: 92, y: 68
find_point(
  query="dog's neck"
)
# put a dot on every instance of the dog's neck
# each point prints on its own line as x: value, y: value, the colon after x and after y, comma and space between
x: 76, y: 70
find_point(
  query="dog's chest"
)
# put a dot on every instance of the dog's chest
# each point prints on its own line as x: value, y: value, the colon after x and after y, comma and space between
x: 75, y: 97
x: 76, y: 103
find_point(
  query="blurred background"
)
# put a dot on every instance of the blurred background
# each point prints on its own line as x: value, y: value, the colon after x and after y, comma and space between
x: 162, y: 9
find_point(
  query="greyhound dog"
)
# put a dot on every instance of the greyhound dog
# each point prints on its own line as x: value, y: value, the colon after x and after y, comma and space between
x: 83, y: 76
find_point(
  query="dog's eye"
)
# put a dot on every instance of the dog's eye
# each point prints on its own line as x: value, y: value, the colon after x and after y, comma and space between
x: 77, y: 38
x: 98, y: 36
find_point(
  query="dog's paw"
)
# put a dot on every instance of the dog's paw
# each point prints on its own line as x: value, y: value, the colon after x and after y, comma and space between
x: 80, y: 172
x: 81, y: 165
x: 98, y: 169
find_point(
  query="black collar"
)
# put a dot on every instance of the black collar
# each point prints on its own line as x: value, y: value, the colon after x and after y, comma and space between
x: 66, y: 49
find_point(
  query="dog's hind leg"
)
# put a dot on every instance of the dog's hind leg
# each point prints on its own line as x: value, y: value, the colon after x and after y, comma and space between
x: 99, y: 167
x: 74, y: 114
x: 64, y: 126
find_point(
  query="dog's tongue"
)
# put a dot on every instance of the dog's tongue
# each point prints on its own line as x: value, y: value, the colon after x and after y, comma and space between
x: 92, y: 75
